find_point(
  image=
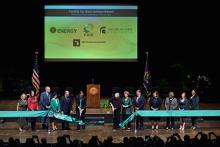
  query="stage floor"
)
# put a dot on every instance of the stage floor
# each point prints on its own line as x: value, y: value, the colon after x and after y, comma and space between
x: 10, y: 129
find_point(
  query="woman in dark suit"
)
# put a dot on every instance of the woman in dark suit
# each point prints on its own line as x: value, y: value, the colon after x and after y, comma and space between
x: 155, y: 103
x: 183, y: 105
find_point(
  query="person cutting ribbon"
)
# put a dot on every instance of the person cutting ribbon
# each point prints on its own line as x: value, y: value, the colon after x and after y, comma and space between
x: 80, y: 108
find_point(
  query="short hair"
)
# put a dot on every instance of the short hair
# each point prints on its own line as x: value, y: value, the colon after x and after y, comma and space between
x: 47, y: 87
x: 23, y: 94
x: 126, y: 92
x: 66, y: 91
x: 171, y: 93
x: 194, y: 90
x: 81, y: 92
x: 117, y: 94
x: 156, y: 92
x: 138, y: 90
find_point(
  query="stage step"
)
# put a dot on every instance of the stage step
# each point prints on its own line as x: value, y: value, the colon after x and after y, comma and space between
x: 95, y: 120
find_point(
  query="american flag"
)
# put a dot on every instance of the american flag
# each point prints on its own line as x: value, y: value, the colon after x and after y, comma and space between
x: 147, y: 76
x: 35, y: 76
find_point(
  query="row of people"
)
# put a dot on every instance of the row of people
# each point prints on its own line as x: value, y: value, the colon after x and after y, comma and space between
x: 64, y: 106
x: 126, y: 105
x: 52, y: 103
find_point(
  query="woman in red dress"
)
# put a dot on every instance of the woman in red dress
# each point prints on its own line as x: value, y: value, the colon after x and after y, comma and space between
x: 32, y: 106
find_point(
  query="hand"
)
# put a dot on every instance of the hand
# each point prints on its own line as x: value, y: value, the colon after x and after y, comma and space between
x: 136, y: 108
x: 48, y: 107
x: 71, y: 112
x: 125, y: 106
x: 61, y: 112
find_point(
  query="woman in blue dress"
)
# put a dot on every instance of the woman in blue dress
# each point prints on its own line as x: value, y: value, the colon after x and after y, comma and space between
x: 183, y: 105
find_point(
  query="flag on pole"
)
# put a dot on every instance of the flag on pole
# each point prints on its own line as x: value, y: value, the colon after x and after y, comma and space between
x: 147, y: 76
x: 35, y: 76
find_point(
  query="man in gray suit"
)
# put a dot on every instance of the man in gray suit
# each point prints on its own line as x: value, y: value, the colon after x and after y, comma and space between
x: 170, y: 104
x: 45, y: 105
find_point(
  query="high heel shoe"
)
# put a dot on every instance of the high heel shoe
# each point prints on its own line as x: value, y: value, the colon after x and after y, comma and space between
x: 152, y: 127
x: 20, y: 129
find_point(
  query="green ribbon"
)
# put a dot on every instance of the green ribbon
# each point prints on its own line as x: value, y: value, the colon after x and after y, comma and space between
x: 171, y: 113
x: 23, y: 113
x: 41, y: 114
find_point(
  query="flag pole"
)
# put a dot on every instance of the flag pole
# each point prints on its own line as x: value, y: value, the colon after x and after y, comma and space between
x: 146, y: 64
x: 36, y: 58
x: 35, y: 74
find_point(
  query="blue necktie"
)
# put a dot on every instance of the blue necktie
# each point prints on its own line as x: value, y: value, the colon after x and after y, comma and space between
x: 80, y: 103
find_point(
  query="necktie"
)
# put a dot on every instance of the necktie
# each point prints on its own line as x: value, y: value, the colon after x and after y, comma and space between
x: 80, y: 103
x: 48, y: 96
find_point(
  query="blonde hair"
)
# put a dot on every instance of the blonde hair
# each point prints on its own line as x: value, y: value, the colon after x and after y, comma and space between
x: 23, y: 94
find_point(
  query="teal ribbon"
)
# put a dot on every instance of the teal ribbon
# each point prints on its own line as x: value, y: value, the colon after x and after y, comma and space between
x: 177, y: 113
x: 60, y: 116
x: 40, y: 114
x: 171, y: 113
x: 23, y: 113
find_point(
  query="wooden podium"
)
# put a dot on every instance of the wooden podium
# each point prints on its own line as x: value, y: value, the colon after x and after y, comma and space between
x: 93, y: 96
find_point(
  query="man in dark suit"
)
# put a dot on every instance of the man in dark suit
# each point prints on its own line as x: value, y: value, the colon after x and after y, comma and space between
x: 80, y: 108
x: 139, y: 102
x: 65, y: 108
x: 194, y: 104
x: 45, y: 105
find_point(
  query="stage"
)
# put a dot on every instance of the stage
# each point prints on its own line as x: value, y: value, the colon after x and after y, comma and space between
x: 10, y: 129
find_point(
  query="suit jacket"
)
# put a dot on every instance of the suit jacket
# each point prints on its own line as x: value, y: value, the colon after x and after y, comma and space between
x: 83, y: 102
x: 155, y: 103
x: 139, y: 103
x: 44, y: 100
x: 55, y: 106
x: 183, y: 105
x: 66, y: 105
x: 171, y: 105
x: 194, y: 102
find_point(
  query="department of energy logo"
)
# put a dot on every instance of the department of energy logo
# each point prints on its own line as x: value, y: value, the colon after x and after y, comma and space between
x: 88, y: 29
x: 53, y: 29
x: 63, y: 30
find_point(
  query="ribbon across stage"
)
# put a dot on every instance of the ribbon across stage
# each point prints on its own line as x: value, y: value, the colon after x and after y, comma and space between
x: 171, y: 113
x: 45, y: 113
